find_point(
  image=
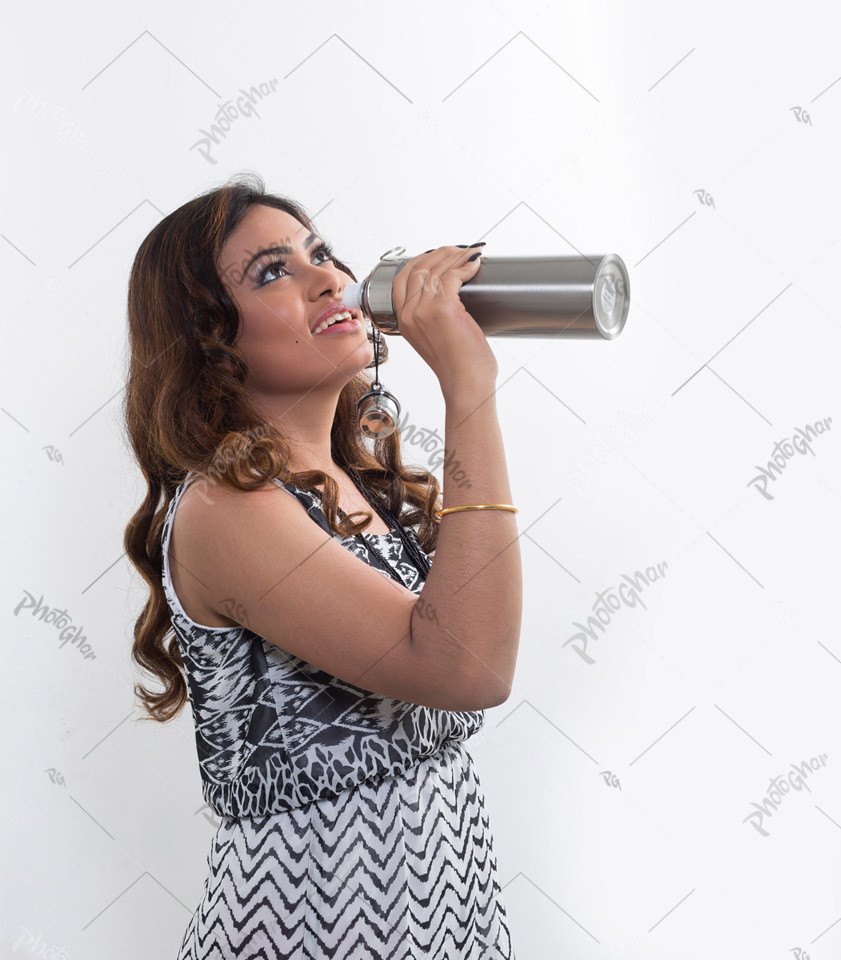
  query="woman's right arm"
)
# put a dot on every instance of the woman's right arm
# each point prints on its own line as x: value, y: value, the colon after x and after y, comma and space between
x: 258, y: 558
x: 467, y: 620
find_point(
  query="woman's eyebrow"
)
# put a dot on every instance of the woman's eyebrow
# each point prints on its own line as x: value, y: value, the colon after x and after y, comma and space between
x: 277, y: 249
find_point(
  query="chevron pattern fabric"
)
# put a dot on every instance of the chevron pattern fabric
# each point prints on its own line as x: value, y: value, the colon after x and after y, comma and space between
x: 353, y: 825
x: 399, y: 868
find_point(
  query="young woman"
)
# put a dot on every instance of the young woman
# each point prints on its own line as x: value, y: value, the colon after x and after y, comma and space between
x: 333, y: 672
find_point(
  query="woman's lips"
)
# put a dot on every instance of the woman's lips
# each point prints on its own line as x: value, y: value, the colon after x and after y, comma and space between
x: 344, y: 327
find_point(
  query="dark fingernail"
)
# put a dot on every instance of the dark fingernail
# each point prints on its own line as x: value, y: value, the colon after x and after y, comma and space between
x: 480, y: 244
x: 429, y: 250
x: 477, y: 254
x: 462, y: 245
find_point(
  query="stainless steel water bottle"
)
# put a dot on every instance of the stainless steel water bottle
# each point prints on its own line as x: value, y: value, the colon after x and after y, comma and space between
x: 543, y: 297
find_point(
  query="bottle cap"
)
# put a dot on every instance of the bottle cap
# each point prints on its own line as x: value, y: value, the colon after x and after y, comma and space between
x: 352, y: 295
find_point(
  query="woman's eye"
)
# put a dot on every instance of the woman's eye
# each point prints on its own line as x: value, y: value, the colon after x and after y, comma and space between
x: 324, y: 251
x: 269, y: 268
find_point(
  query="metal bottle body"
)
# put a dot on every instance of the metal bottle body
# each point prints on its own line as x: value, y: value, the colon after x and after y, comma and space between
x: 542, y: 297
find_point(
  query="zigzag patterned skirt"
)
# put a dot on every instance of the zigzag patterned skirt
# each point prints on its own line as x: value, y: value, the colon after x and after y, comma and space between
x: 394, y: 869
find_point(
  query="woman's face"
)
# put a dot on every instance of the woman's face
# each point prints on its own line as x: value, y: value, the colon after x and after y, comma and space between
x: 280, y: 296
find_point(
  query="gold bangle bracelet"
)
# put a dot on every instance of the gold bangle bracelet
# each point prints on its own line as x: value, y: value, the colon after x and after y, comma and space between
x: 476, y: 506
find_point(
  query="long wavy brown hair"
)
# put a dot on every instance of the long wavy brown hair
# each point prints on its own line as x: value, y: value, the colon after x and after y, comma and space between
x: 186, y: 409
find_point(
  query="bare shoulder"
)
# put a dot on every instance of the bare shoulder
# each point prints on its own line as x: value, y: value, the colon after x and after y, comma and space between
x: 207, y: 510
x: 204, y: 494
x: 195, y: 557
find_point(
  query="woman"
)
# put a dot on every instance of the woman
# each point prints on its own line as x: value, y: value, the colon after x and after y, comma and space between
x: 331, y: 697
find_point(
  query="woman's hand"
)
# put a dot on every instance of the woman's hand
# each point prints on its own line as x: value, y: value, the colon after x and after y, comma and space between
x: 431, y: 316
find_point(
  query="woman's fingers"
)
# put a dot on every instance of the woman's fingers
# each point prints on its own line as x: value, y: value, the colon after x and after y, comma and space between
x: 422, y: 274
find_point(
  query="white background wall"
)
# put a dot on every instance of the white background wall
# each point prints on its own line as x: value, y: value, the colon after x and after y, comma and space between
x: 698, y: 141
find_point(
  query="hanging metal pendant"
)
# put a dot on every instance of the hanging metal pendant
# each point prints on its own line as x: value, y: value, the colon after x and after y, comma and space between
x: 378, y: 412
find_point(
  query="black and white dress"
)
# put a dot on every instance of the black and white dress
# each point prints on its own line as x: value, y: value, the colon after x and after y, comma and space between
x: 352, y: 825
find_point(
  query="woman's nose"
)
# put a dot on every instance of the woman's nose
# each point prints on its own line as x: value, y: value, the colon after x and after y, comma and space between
x: 323, y: 277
